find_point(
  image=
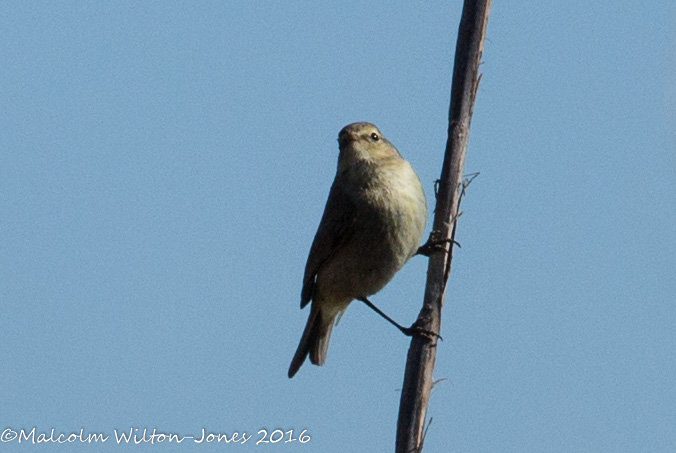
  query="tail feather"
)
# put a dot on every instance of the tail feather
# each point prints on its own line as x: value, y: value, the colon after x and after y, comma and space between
x: 314, y: 342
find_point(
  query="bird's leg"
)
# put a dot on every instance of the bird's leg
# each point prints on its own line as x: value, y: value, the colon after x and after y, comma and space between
x: 433, y: 244
x: 369, y: 304
x: 408, y: 331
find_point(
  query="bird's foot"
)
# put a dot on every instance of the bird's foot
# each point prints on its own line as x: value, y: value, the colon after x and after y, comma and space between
x: 434, y: 244
x: 416, y: 329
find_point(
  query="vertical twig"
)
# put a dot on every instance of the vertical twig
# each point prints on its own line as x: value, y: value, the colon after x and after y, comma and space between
x: 422, y: 352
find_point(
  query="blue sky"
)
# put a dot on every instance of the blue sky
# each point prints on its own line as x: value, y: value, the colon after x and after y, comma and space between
x: 164, y: 166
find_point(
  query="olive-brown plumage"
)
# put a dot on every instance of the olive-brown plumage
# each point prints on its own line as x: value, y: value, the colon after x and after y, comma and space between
x: 372, y: 224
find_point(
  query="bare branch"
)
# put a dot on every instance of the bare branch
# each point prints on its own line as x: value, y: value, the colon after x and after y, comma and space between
x: 422, y: 352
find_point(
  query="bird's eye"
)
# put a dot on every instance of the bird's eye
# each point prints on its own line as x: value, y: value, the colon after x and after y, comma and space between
x: 374, y: 137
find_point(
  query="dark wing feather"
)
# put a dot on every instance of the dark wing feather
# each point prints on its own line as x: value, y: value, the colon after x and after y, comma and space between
x: 334, y: 229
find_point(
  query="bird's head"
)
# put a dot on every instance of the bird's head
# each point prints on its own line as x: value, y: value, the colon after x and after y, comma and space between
x: 364, y: 141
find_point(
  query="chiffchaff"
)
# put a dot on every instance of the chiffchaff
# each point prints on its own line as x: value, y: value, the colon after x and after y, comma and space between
x: 372, y: 224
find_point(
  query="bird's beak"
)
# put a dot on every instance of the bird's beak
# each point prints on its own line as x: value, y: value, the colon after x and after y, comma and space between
x: 346, y: 138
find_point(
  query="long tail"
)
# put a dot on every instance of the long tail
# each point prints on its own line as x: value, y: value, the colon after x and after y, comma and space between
x: 315, y: 340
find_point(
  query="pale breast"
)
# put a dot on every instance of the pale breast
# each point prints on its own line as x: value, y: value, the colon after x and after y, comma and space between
x: 390, y: 220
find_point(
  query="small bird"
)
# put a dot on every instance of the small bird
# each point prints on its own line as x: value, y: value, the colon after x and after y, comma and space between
x: 372, y: 224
